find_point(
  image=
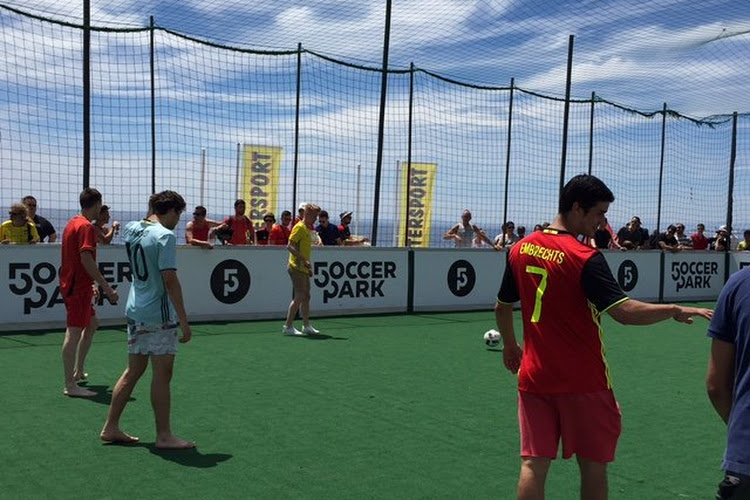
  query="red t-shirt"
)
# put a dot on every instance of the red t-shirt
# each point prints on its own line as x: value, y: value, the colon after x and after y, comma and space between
x: 700, y: 242
x: 563, y: 287
x: 279, y: 235
x: 200, y: 232
x: 241, y: 226
x: 79, y: 236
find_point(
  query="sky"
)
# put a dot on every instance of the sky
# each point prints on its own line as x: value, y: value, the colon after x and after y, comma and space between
x: 638, y: 54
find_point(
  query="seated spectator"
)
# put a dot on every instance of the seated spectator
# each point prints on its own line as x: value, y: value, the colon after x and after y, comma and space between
x: 721, y: 241
x: 347, y: 237
x: 329, y: 233
x: 263, y: 235
x: 538, y: 227
x: 238, y: 227
x: 462, y: 233
x: 280, y: 232
x: 507, y: 238
x: 199, y: 231
x: 668, y: 239
x: 300, y: 214
x: 604, y: 237
x: 699, y: 240
x: 744, y: 245
x: 632, y: 236
x: 44, y: 227
x: 19, y: 230
x: 521, y: 232
x: 105, y: 234
x: 682, y: 238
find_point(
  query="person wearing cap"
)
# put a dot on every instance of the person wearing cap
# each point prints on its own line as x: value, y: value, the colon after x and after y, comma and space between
x: 347, y: 237
x: 198, y: 230
x: 300, y: 214
x: 241, y: 228
x: 329, y: 233
x: 299, y: 268
x: 721, y: 241
x: 280, y: 232
x: 263, y: 235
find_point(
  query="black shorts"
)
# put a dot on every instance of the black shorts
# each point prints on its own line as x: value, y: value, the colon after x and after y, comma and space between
x: 734, y: 487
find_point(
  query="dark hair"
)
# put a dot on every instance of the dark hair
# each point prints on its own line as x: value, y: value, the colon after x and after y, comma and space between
x: 323, y: 213
x: 586, y: 190
x: 89, y: 197
x: 161, y: 203
x: 747, y: 231
x: 105, y: 208
x: 27, y: 198
x: 671, y: 227
x: 239, y: 202
x: 286, y: 213
x: 269, y: 215
x: 200, y: 209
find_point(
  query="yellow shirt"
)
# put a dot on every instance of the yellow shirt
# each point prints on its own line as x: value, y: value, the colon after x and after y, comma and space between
x: 19, y: 235
x: 742, y: 246
x: 301, y: 236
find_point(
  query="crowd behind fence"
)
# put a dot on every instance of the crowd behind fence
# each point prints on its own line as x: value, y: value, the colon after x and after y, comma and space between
x: 168, y: 111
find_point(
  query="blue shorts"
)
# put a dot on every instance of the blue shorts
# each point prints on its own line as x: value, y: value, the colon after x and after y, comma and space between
x: 151, y: 340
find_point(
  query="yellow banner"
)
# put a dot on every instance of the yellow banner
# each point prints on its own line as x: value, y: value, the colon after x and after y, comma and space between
x: 260, y: 181
x: 416, y: 216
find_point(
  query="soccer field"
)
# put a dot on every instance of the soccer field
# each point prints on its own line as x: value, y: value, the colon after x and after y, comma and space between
x: 399, y: 406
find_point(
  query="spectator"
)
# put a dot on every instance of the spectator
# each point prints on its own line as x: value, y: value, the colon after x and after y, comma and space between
x: 105, y: 234
x: 744, y: 245
x: 721, y: 241
x: 280, y: 232
x: 462, y: 233
x: 668, y: 240
x: 521, y: 232
x: 263, y: 235
x: 604, y: 237
x: 728, y: 382
x: 329, y: 233
x: 199, y: 230
x: 300, y: 271
x: 346, y: 236
x: 44, y: 227
x: 507, y: 238
x: 300, y: 214
x: 241, y: 228
x: 632, y: 236
x: 538, y: 227
x: 700, y: 242
x: 19, y: 229
x: 682, y: 238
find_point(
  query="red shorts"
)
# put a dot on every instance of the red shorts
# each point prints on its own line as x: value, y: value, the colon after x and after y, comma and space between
x: 589, y: 425
x: 80, y: 310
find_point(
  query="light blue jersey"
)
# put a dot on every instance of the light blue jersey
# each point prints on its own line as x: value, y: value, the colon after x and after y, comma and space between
x: 151, y: 249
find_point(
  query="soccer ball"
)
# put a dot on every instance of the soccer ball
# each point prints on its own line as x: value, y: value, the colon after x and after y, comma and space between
x: 492, y: 338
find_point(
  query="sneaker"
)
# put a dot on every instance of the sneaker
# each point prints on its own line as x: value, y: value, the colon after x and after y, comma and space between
x: 290, y: 330
x: 309, y: 330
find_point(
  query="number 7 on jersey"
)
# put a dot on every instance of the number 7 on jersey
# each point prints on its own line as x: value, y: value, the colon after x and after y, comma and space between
x: 539, y: 291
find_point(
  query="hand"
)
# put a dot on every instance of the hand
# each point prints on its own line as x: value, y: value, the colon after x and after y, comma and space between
x: 187, y: 334
x: 207, y: 246
x: 4, y: 242
x: 307, y: 264
x: 685, y: 314
x: 96, y: 292
x: 512, y: 354
x: 111, y: 294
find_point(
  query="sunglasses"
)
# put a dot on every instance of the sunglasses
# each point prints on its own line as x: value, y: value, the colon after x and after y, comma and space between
x: 31, y: 205
x: 15, y: 214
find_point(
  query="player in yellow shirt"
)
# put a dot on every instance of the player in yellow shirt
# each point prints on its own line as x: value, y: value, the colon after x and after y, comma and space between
x: 19, y: 230
x: 300, y: 271
x: 744, y: 245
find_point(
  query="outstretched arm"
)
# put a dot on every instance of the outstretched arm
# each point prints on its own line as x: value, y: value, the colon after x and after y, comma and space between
x: 635, y: 312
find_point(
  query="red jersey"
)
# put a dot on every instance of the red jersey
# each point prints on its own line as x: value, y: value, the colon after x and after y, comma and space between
x: 200, y: 232
x: 79, y: 236
x: 700, y: 242
x: 241, y: 227
x: 279, y: 235
x: 564, y: 286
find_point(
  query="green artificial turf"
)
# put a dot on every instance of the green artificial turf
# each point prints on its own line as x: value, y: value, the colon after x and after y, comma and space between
x: 400, y: 406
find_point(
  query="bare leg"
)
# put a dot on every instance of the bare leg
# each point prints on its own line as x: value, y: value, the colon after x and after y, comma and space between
x: 532, y: 478
x: 291, y: 313
x: 593, y: 479
x: 84, y: 344
x: 160, y: 400
x: 111, y: 432
x: 69, y: 348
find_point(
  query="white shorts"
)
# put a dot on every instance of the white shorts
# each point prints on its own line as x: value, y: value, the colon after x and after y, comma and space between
x: 151, y: 340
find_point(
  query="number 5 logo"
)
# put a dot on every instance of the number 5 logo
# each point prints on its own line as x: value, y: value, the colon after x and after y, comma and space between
x: 230, y: 281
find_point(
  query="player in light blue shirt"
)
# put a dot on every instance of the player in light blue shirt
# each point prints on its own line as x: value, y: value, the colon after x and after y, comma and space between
x: 154, y: 308
x: 728, y: 381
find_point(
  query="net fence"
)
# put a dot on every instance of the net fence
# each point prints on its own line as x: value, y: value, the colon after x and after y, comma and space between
x: 280, y: 127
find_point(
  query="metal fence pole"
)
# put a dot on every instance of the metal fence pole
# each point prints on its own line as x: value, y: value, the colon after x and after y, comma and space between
x: 381, y: 124
x: 507, y: 151
x: 152, y: 64
x: 566, y: 114
x: 591, y: 133
x: 407, y: 180
x: 296, y: 128
x: 86, y: 93
x: 661, y: 166
x: 733, y: 158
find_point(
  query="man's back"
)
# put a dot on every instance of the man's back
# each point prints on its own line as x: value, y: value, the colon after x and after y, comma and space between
x: 563, y: 288
x: 151, y: 249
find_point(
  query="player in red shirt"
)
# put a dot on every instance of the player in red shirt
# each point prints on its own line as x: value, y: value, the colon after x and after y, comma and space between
x: 77, y: 275
x: 564, y: 388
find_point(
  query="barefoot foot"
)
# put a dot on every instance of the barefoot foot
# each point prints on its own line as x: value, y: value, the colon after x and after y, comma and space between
x: 173, y: 443
x: 117, y: 436
x: 78, y: 392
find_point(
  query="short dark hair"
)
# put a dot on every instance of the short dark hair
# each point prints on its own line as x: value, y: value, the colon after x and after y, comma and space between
x: 27, y: 198
x: 586, y: 190
x: 161, y: 203
x: 239, y: 202
x: 671, y: 227
x: 747, y: 231
x: 200, y: 209
x: 323, y: 213
x: 105, y: 208
x: 89, y: 197
x: 286, y: 213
